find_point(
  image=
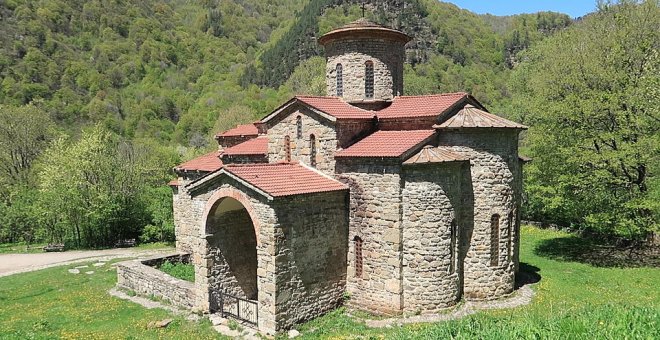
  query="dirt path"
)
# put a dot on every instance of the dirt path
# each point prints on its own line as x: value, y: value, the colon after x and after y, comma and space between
x: 20, y: 263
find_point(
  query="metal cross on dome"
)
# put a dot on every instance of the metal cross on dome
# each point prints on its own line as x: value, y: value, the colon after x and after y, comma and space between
x: 364, y: 7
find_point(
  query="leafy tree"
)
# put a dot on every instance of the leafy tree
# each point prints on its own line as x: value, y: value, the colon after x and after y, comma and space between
x: 24, y: 133
x: 308, y: 78
x: 92, y: 188
x: 590, y: 95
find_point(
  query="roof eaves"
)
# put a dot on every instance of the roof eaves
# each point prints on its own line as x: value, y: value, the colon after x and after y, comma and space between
x: 445, y: 115
x: 184, y: 170
x: 410, y: 152
x: 318, y: 172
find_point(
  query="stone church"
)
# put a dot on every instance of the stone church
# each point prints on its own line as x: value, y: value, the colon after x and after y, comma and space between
x: 391, y: 204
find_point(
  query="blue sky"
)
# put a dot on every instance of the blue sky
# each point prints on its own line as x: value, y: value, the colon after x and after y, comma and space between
x: 574, y: 8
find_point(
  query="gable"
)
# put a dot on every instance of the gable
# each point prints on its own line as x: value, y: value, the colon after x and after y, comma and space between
x: 291, y: 107
x: 272, y: 180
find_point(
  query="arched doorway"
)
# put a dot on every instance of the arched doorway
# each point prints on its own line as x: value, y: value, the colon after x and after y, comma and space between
x: 232, y: 251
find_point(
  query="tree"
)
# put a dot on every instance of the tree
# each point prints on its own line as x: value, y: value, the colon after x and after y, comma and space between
x: 590, y: 96
x: 25, y: 132
x: 92, y: 188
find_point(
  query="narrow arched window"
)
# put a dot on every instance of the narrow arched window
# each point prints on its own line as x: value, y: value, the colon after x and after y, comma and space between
x: 287, y: 148
x: 340, y: 80
x: 452, y: 246
x: 369, y: 79
x: 299, y: 131
x: 494, y: 240
x: 312, y: 150
x: 357, y: 242
x: 509, y: 240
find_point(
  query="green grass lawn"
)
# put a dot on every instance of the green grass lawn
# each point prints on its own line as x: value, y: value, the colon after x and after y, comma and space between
x: 574, y: 300
x: 53, y: 304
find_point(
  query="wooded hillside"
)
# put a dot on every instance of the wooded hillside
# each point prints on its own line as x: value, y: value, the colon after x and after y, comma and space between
x: 164, y: 76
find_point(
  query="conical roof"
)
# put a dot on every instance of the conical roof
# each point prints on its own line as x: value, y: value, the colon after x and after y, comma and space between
x: 472, y: 117
x: 430, y: 154
x: 363, y: 28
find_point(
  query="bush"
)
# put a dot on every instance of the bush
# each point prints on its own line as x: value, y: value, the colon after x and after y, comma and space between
x: 183, y: 271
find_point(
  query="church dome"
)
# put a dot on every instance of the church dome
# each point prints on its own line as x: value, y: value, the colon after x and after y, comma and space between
x: 364, y: 63
x: 365, y: 29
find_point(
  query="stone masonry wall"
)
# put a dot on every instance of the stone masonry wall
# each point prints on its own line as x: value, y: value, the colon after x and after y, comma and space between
x: 228, y: 142
x: 149, y: 281
x: 420, y: 123
x: 375, y: 217
x: 431, y: 203
x: 387, y: 56
x: 233, y: 248
x: 311, y: 256
x: 265, y: 221
x: 494, y: 166
x: 186, y: 228
x: 350, y: 132
x: 323, y: 131
x: 244, y: 159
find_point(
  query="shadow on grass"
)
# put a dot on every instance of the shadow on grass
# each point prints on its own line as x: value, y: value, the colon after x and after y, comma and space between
x: 597, y: 253
x: 527, y: 274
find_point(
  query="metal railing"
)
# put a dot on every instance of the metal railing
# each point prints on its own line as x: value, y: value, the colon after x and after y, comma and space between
x: 238, y: 308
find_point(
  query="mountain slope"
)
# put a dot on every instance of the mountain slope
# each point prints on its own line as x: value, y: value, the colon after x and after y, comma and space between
x: 176, y: 71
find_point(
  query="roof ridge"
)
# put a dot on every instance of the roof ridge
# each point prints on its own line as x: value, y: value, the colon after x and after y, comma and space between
x: 311, y: 96
x: 341, y: 100
x: 434, y: 95
x: 404, y: 130
x: 246, y: 165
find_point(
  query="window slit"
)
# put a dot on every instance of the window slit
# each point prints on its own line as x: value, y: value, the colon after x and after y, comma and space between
x: 494, y: 240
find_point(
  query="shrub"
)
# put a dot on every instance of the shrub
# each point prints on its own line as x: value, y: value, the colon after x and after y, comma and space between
x: 183, y: 271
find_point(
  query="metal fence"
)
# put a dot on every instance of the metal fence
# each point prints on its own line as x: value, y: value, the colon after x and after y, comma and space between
x: 238, y: 308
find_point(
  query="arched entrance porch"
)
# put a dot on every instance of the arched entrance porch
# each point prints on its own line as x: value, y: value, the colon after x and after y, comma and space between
x: 232, y: 251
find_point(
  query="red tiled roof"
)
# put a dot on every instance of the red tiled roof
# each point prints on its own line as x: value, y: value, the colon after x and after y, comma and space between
x: 173, y: 183
x: 401, y: 107
x: 421, y: 106
x: 430, y: 154
x: 285, y: 179
x: 362, y: 27
x: 387, y: 144
x: 241, y: 130
x: 207, y: 163
x: 336, y: 107
x: 255, y: 146
x: 471, y: 117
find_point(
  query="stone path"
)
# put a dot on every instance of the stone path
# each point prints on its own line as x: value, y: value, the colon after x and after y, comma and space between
x: 521, y: 297
x: 11, y: 264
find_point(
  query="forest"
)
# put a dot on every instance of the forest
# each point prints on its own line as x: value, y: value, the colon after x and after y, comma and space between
x: 100, y: 99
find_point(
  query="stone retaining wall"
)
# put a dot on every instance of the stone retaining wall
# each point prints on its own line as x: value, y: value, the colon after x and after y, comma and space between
x: 141, y: 277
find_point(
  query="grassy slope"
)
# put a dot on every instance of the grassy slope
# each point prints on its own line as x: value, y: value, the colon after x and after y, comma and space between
x: 52, y: 303
x: 574, y: 300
